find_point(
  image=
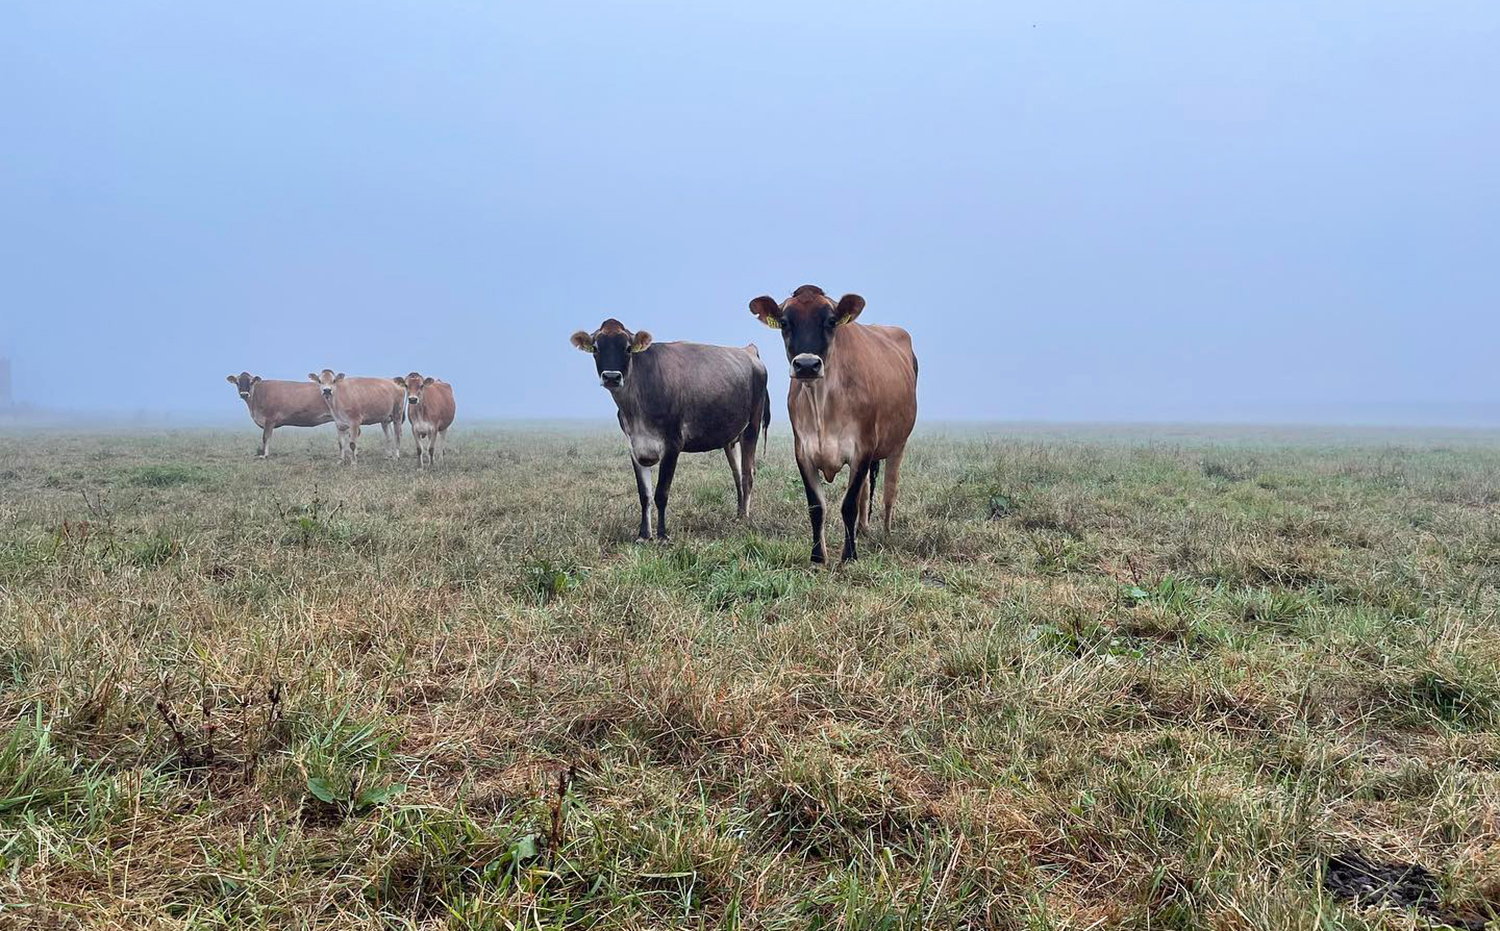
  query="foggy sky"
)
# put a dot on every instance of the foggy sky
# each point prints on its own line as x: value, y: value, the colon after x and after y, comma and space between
x: 1081, y: 210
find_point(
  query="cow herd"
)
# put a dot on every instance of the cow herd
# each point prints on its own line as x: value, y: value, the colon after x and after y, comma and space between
x: 852, y: 402
x: 352, y: 403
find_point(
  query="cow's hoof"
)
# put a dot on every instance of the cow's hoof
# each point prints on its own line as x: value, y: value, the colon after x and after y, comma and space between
x: 818, y: 558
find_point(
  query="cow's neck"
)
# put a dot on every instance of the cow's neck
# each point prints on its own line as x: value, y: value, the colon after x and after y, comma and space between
x: 629, y: 400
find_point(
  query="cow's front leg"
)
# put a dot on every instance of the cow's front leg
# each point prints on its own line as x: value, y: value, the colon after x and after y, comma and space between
x: 643, y: 489
x: 812, y: 483
x: 265, y: 442
x: 664, y: 474
x: 852, y: 507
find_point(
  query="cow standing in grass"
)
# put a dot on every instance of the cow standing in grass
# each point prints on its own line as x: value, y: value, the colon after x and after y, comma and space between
x: 675, y: 398
x: 853, y: 401
x: 275, y: 404
x: 357, y: 402
x: 429, y: 410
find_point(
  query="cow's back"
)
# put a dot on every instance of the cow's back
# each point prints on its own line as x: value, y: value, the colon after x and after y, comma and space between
x: 277, y: 403
x: 704, y: 395
x: 368, y: 400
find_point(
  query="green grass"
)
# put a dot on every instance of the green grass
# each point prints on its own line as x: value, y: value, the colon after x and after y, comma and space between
x: 1130, y: 679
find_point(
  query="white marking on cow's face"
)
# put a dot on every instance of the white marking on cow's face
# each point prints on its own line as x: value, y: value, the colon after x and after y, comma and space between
x: 807, y: 367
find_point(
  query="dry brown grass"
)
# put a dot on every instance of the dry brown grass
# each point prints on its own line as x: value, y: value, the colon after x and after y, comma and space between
x: 1090, y: 682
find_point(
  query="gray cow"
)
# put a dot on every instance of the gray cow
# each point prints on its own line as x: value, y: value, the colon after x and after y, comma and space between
x: 681, y: 398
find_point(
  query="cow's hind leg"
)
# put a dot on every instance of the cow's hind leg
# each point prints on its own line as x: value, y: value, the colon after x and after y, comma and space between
x: 441, y: 444
x: 812, y: 483
x: 643, y: 489
x: 731, y: 452
x: 748, y: 444
x: 892, y: 475
x: 866, y: 496
x: 851, y: 507
x: 664, y: 473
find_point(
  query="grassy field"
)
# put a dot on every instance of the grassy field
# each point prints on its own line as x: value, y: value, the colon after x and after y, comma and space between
x: 1149, y: 679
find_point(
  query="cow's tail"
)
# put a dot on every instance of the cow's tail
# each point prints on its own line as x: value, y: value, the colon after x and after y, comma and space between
x: 765, y: 416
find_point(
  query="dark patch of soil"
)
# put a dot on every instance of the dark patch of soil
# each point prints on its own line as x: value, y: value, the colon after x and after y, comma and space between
x: 1352, y: 877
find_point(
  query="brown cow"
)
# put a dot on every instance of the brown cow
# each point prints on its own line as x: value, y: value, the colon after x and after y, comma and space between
x: 429, y: 409
x: 356, y: 402
x: 275, y: 404
x: 853, y: 401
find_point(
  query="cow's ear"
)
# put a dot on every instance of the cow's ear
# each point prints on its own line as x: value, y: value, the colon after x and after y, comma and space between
x: 255, y: 379
x: 399, y: 380
x: 849, y: 307
x: 640, y: 342
x: 427, y: 381
x: 338, y: 378
x: 767, y: 310
x: 582, y: 340
x: 233, y: 380
x: 315, y: 379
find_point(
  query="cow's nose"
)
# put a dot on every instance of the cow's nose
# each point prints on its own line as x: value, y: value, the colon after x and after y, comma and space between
x: 411, y: 400
x: 807, y: 365
x: 244, y: 394
x: 327, y: 392
x: 612, y: 379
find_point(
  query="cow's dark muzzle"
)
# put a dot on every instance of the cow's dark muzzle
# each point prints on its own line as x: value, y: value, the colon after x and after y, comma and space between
x: 807, y: 367
x: 612, y: 379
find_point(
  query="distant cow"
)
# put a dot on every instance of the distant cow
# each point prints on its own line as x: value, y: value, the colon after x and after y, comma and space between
x: 275, y: 404
x: 429, y: 410
x: 853, y: 401
x: 681, y: 397
x: 357, y: 402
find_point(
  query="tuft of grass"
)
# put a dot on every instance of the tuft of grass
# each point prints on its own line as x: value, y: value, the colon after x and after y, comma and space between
x: 167, y: 476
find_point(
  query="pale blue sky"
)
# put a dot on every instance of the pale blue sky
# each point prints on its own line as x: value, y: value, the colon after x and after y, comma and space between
x: 1081, y: 210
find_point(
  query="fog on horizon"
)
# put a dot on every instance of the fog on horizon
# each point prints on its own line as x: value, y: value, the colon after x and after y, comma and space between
x: 1081, y: 210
